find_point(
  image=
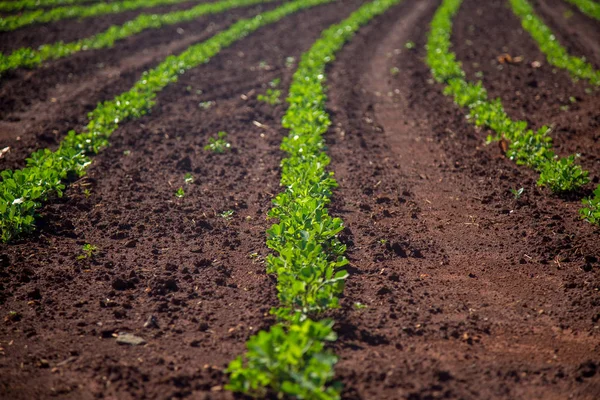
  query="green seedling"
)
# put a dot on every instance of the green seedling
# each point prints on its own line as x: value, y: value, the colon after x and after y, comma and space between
x: 180, y: 193
x: 227, y: 215
x: 88, y: 251
x: 205, y: 105
x: 188, y: 178
x: 517, y: 192
x: 219, y: 144
x: 394, y: 71
x: 409, y: 45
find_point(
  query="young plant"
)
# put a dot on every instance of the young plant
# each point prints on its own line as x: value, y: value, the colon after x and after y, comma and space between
x: 188, y: 178
x: 219, y: 144
x: 227, y: 215
x: 180, y: 193
x: 591, y: 210
x: 88, y: 251
x: 287, y: 360
x: 272, y: 94
x: 517, y: 192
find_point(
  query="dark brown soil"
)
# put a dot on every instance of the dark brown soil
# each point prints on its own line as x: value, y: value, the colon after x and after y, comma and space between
x: 470, y: 293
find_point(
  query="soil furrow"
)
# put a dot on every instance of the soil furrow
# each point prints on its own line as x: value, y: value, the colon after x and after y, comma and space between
x: 200, y: 275
x: 470, y: 294
x: 68, y: 89
x: 531, y: 89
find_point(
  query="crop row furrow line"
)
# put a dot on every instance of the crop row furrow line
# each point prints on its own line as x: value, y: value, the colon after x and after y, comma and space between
x: 23, y: 191
x: 18, y: 5
x: 291, y: 358
x: 588, y: 7
x: 527, y: 147
x: 28, y: 57
x: 555, y: 53
x: 12, y: 22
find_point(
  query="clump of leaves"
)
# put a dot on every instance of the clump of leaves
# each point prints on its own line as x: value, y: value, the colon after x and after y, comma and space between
x: 180, y: 193
x: 591, y: 210
x: 88, y: 251
x: 219, y: 144
x: 563, y: 176
x: 287, y: 360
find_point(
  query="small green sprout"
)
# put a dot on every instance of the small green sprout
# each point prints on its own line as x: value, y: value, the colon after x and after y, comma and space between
x: 359, y: 306
x: 517, y: 192
x: 206, y: 104
x: 227, y: 215
x: 218, y: 145
x: 88, y: 251
x: 87, y: 193
x: 410, y: 45
x: 394, y: 71
x: 179, y: 193
x: 188, y: 178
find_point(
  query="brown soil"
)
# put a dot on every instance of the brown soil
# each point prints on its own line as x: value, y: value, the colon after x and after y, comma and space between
x: 470, y: 293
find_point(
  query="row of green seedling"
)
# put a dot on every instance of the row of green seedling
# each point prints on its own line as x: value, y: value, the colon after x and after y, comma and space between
x: 23, y: 191
x: 28, y: 57
x: 18, y: 5
x: 527, y: 147
x: 589, y: 7
x: 12, y: 22
x: 555, y: 53
x: 291, y: 358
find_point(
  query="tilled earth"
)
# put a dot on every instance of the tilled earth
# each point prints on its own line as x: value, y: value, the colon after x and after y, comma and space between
x: 470, y: 293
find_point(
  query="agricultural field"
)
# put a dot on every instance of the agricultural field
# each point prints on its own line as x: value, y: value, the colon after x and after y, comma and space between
x: 304, y: 199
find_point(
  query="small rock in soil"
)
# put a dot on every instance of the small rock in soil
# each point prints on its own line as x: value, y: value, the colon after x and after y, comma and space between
x: 128, y: 338
x: 151, y: 322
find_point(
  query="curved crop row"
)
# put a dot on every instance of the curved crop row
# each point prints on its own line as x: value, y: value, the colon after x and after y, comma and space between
x: 12, y: 22
x: 527, y: 147
x: 556, y: 54
x: 18, y: 5
x: 22, y: 191
x: 290, y: 359
x: 28, y: 57
x: 588, y: 7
